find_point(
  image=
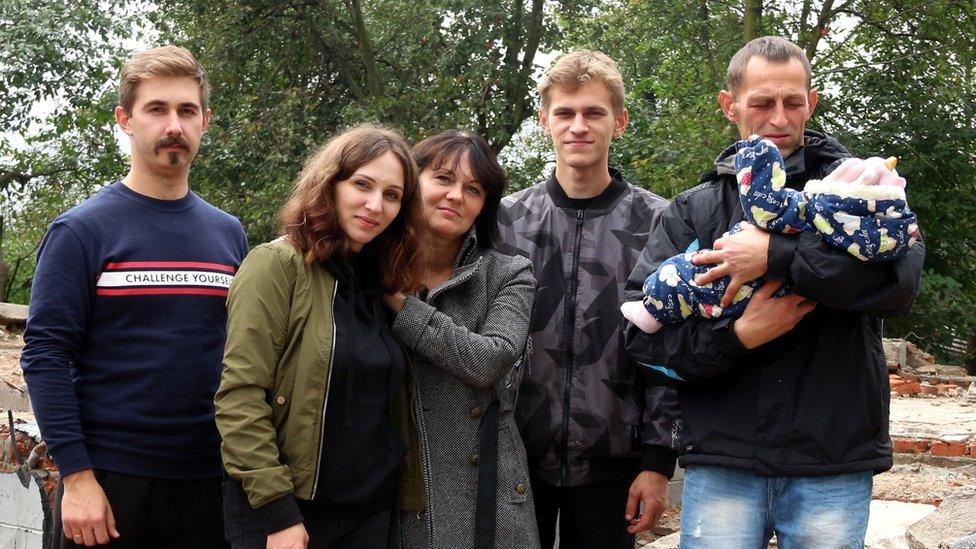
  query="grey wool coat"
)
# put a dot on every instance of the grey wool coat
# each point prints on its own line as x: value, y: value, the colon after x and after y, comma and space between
x: 464, y: 341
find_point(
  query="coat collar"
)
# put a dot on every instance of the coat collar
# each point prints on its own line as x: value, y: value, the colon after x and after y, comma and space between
x: 601, y: 201
x: 465, y: 265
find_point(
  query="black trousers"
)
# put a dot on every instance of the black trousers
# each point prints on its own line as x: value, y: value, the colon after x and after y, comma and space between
x: 590, y: 517
x: 245, y: 529
x: 153, y: 513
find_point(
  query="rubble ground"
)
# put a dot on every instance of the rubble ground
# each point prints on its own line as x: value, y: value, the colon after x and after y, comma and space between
x: 10, y: 343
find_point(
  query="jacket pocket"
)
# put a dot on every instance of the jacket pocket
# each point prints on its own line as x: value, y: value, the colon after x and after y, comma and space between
x: 513, y: 469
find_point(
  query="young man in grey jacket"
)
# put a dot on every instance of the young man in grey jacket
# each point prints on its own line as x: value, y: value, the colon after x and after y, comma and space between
x: 600, y: 444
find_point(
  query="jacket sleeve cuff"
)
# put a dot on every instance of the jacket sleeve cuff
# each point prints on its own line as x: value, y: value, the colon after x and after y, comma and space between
x: 660, y: 460
x: 412, y: 320
x: 780, y: 256
x: 71, y: 458
x: 727, y: 342
x: 280, y: 514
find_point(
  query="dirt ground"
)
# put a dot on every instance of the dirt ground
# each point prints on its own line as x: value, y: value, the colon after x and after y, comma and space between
x: 923, y: 483
x: 10, y: 344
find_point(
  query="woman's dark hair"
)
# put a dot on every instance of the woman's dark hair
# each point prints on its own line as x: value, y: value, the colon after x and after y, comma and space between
x: 448, y: 149
x: 309, y: 219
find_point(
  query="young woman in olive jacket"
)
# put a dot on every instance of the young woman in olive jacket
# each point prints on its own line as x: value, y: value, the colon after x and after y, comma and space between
x: 306, y: 404
x: 465, y: 331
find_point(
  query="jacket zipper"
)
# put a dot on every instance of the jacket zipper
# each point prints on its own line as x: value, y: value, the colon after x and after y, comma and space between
x: 570, y: 351
x: 328, y: 385
x: 424, y: 460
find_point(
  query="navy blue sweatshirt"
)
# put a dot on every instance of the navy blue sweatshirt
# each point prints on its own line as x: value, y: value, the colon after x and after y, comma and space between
x: 126, y: 331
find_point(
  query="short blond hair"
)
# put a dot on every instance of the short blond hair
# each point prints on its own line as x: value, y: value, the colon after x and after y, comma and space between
x: 572, y: 70
x: 162, y: 61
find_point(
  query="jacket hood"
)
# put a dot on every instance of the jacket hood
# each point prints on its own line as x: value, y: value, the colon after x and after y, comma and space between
x: 818, y: 148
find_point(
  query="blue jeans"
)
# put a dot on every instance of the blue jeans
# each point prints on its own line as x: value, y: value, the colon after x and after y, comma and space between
x: 725, y: 508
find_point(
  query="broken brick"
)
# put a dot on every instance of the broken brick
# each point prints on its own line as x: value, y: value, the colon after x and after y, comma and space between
x: 928, y: 389
x: 909, y: 446
x: 909, y: 388
x: 951, y: 449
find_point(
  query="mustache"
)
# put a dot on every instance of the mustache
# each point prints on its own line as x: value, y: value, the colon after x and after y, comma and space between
x: 170, y: 141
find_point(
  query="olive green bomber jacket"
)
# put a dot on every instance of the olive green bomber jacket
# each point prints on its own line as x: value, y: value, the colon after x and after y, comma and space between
x: 271, y: 402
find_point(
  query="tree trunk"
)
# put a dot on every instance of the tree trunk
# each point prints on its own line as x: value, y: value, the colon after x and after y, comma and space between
x: 3, y: 265
x: 365, y: 46
x: 706, y: 40
x: 521, y: 89
x: 751, y: 20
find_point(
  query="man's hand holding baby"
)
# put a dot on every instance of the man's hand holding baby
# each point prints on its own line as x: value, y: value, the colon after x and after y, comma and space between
x: 741, y: 256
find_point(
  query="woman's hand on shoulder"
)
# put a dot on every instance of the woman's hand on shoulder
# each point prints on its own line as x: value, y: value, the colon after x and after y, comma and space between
x: 293, y: 537
x: 394, y: 301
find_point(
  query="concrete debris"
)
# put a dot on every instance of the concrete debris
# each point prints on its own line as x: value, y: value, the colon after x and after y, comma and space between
x: 953, y: 521
x: 13, y: 315
x: 942, y: 425
x: 922, y: 482
x: 968, y: 542
x: 667, y: 542
x: 23, y: 516
x: 896, y: 353
x: 889, y: 521
x: 27, y: 481
x: 907, y: 359
x: 947, y: 370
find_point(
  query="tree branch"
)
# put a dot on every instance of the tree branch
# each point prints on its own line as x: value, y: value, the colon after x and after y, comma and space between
x: 9, y: 177
x: 880, y: 63
x: 817, y: 32
x: 365, y: 46
x: 521, y: 88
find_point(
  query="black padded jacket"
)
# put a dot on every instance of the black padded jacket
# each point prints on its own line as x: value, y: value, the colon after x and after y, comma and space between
x: 811, y: 402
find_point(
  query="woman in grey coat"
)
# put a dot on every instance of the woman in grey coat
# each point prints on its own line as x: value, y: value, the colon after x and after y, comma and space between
x: 465, y: 332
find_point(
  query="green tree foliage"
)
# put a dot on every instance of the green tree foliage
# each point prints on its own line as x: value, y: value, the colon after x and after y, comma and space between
x: 897, y: 79
x: 56, y: 139
x: 288, y: 74
x: 917, y: 60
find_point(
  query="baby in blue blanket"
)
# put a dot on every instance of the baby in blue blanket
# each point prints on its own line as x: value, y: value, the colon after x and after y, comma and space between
x: 860, y: 207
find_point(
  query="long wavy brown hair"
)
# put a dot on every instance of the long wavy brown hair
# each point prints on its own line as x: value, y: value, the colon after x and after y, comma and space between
x: 310, y: 220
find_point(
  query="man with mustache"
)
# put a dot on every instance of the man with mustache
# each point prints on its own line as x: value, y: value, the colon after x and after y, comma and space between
x: 126, y: 330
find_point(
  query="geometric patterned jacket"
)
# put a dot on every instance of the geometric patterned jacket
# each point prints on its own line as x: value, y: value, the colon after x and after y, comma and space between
x: 584, y: 413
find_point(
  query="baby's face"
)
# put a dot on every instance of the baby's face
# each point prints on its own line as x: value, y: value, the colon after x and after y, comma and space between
x: 870, y: 171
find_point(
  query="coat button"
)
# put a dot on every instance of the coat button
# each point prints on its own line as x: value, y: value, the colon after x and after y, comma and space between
x: 474, y: 459
x: 280, y: 400
x: 520, y: 488
x: 477, y: 412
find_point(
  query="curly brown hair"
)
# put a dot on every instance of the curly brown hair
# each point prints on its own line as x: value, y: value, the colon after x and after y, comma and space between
x: 310, y: 221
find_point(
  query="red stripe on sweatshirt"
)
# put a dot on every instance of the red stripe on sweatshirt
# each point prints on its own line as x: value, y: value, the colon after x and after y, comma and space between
x: 169, y: 265
x: 162, y: 291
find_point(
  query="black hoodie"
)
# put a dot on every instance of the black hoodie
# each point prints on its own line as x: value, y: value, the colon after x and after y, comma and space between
x: 362, y: 449
x: 811, y: 402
